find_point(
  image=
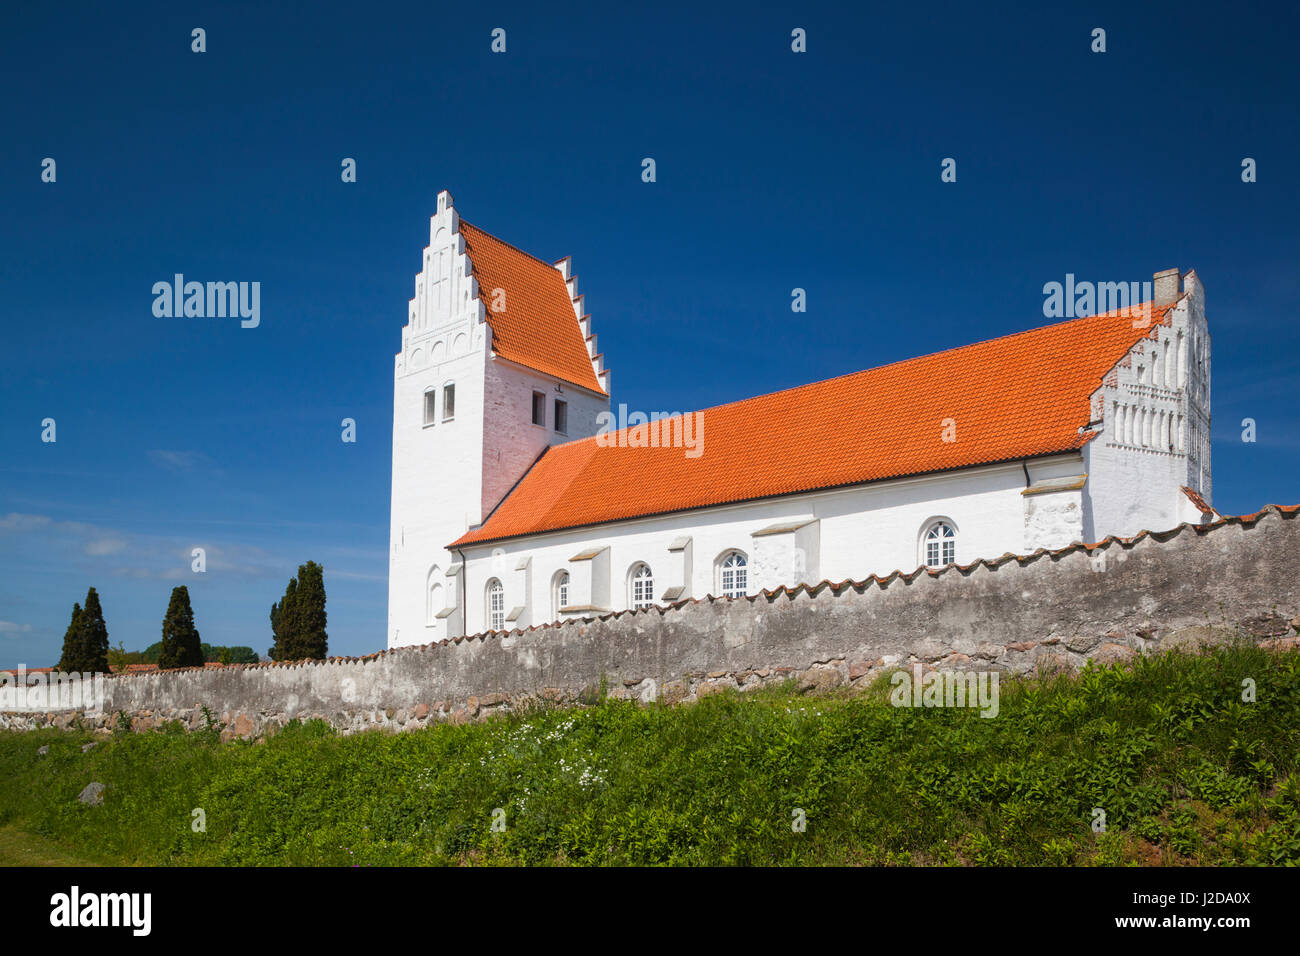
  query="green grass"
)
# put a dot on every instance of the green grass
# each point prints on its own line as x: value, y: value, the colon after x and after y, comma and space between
x: 23, y: 849
x: 1185, y: 771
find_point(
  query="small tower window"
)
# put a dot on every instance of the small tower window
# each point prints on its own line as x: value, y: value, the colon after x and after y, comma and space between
x: 448, y: 402
x: 733, y: 575
x: 539, y: 408
x: 940, y: 545
x: 642, y: 587
x: 561, y: 416
x: 496, y: 605
x: 430, y: 403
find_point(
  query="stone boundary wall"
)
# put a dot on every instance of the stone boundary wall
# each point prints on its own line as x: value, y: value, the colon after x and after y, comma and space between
x: 1234, y: 579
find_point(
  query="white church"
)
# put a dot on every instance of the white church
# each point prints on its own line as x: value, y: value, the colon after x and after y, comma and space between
x: 515, y: 503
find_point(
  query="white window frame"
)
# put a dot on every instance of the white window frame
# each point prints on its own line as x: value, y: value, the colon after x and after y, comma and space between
x: 640, y: 586
x: 430, y: 406
x: 494, y: 596
x: 945, y: 546
x: 560, y: 592
x: 738, y: 574
x: 448, y: 406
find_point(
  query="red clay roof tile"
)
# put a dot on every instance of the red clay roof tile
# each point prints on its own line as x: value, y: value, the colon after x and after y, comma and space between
x: 1014, y: 397
x: 538, y: 327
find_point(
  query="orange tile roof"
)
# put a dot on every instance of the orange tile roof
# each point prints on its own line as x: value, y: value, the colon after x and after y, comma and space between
x: 1195, y: 498
x: 538, y: 327
x: 1014, y: 397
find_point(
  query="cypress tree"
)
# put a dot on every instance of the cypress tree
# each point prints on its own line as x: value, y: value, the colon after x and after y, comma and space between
x: 181, y: 646
x: 72, y: 644
x: 94, y: 635
x: 311, y: 640
x: 283, y: 616
x: 298, y: 620
x: 275, y: 630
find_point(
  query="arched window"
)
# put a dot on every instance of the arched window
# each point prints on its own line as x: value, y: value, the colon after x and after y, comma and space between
x: 733, y: 575
x: 560, y: 593
x: 939, y: 545
x: 430, y: 405
x: 641, y: 586
x: 496, y: 606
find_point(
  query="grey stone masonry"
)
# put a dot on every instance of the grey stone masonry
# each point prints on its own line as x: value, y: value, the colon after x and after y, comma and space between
x: 1235, y: 579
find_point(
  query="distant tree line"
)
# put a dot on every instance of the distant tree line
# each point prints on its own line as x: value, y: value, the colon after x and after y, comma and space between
x: 218, y: 653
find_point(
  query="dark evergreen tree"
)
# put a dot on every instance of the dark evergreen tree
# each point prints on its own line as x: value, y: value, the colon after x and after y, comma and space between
x: 311, y: 640
x: 72, y: 643
x: 282, y: 615
x: 181, y: 646
x: 298, y: 620
x: 94, y: 636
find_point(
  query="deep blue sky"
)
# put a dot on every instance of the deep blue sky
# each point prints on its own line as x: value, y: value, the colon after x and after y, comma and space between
x: 775, y: 170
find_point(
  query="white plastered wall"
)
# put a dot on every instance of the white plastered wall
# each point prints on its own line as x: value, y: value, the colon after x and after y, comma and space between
x: 836, y: 534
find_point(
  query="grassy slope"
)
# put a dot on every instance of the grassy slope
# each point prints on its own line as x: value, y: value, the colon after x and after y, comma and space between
x: 1185, y: 771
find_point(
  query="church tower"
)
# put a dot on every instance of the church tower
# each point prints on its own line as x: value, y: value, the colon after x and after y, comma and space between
x: 497, y: 363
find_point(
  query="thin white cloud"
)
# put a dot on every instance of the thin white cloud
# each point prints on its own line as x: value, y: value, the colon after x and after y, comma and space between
x: 178, y: 460
x: 143, y: 556
x: 22, y: 523
x: 354, y: 575
x: 108, y: 544
x: 125, y: 554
